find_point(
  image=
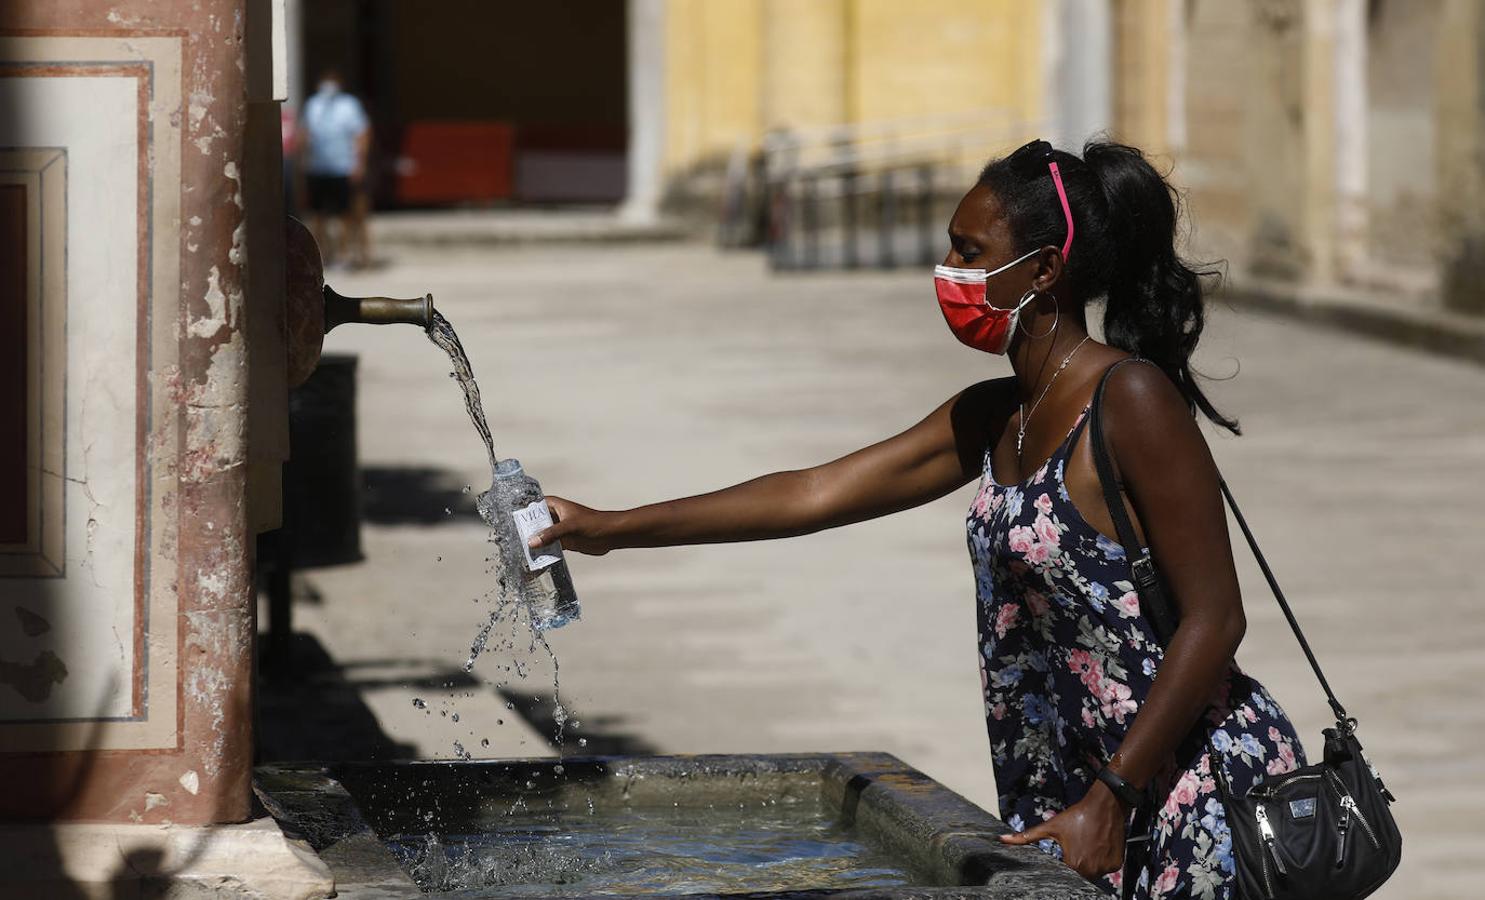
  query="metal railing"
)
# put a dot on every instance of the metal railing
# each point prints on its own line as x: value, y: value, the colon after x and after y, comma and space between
x: 876, y: 194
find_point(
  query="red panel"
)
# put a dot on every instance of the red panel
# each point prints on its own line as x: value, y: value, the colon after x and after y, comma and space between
x: 455, y: 162
x: 13, y: 475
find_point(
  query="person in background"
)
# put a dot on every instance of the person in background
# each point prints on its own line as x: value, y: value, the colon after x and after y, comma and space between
x: 336, y: 137
x: 288, y: 126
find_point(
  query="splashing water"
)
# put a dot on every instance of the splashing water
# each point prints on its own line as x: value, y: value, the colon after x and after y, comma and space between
x: 511, y: 618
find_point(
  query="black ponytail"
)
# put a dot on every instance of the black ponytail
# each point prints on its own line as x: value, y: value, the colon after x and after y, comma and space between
x: 1124, y: 250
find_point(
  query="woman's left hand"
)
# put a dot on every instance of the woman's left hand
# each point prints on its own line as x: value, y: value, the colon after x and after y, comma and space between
x: 1090, y: 833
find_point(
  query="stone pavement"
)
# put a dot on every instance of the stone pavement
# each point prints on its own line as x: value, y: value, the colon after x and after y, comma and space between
x: 485, y: 228
x: 625, y: 374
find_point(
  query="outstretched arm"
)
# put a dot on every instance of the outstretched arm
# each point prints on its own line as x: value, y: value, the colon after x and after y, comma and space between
x: 935, y: 456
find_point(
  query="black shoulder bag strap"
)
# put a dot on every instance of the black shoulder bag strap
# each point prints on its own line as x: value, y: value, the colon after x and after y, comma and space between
x: 1147, y: 580
x: 1155, y: 600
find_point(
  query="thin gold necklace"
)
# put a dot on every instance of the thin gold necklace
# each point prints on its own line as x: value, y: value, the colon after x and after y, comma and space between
x: 1025, y: 416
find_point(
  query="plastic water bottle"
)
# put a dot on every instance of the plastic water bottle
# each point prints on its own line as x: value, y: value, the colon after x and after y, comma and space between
x: 517, y: 509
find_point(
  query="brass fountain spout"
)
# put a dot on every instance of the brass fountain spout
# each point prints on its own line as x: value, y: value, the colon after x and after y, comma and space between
x: 312, y: 307
x: 376, y: 310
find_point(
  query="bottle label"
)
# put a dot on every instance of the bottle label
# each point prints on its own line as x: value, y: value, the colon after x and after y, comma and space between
x: 529, y: 521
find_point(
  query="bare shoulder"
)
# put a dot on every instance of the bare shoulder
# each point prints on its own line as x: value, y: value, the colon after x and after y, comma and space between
x: 979, y: 407
x: 1140, y: 389
x: 977, y: 414
x: 989, y: 395
x: 1144, y: 410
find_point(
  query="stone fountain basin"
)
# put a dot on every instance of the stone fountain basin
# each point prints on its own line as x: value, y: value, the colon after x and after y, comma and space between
x: 345, y: 811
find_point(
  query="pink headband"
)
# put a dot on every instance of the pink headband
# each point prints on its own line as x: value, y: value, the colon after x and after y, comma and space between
x: 1066, y: 209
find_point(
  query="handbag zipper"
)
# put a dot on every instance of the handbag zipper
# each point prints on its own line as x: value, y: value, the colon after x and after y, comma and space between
x: 1266, y: 831
x: 1269, y: 790
x: 1342, y: 826
x: 1348, y: 805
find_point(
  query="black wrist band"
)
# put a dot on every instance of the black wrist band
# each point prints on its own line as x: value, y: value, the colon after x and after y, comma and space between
x: 1128, y: 794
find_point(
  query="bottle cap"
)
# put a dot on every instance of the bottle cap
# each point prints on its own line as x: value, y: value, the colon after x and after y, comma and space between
x: 508, y: 468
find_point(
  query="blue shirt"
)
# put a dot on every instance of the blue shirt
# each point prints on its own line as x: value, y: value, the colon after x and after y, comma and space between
x: 333, y: 120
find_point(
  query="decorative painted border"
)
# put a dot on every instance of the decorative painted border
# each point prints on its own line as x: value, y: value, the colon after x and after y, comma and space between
x: 154, y: 62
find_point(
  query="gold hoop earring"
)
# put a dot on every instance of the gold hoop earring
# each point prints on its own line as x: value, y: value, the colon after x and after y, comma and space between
x: 1056, y: 320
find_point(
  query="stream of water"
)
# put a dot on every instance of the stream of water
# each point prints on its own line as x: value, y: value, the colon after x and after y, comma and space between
x: 441, y: 333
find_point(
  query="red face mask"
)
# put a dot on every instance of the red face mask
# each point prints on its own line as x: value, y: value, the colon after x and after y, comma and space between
x: 961, y: 292
x: 977, y: 324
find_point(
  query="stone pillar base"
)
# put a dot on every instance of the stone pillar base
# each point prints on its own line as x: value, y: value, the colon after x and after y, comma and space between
x: 76, y: 860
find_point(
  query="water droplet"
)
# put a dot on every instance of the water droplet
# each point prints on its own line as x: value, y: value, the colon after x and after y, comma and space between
x: 444, y: 713
x: 499, y: 721
x: 558, y: 769
x: 447, y: 511
x: 582, y: 742
x: 455, y: 717
x: 510, y: 704
x: 418, y: 702
x: 438, y: 559
x: 485, y: 742
x: 468, y: 488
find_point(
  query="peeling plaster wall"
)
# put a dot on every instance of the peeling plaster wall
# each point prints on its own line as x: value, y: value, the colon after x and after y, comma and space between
x: 183, y: 618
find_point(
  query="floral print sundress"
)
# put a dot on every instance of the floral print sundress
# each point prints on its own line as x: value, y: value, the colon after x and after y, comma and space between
x: 1066, y: 659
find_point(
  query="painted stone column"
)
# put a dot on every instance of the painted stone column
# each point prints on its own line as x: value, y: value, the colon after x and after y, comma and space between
x: 1078, y: 69
x: 646, y: 110
x: 1460, y: 80
x: 1291, y: 128
x: 128, y: 645
x: 1350, y: 141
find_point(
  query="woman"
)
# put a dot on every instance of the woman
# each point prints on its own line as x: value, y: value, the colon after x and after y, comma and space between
x: 1089, y: 717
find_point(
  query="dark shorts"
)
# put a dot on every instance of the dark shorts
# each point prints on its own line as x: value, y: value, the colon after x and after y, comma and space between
x: 328, y: 194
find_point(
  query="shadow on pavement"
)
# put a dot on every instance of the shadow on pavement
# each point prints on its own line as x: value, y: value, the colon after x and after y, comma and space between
x: 309, y: 709
x: 413, y: 495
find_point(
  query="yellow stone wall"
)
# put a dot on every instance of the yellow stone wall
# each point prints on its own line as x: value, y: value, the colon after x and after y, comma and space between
x: 712, y: 75
x: 1214, y: 164
x: 937, y: 57
x: 1254, y: 109
x: 805, y: 63
x: 736, y: 68
x: 1142, y: 62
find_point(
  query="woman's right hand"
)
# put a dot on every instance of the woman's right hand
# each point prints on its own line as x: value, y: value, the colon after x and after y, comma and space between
x: 578, y: 528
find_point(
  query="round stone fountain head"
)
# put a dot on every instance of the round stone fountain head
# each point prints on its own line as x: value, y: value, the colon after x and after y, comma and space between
x: 312, y: 307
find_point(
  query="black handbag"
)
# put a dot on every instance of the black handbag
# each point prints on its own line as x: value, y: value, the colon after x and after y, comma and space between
x: 1321, y: 832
